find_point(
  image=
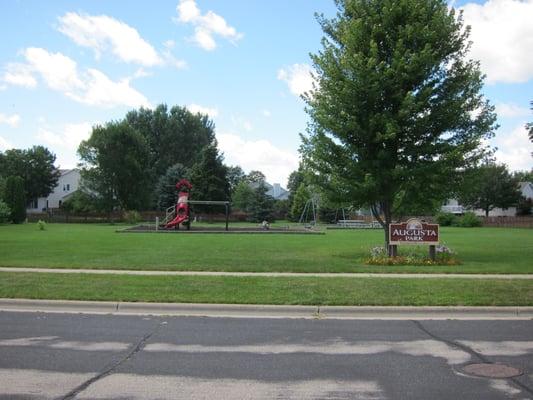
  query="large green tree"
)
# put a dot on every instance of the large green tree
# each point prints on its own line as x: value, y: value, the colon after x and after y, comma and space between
x: 209, y: 179
x: 397, y: 107
x: 242, y: 197
x: 489, y: 186
x: 115, y: 167
x: 36, y: 168
x: 174, y: 135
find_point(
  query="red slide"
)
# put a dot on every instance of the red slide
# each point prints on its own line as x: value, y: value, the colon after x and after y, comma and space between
x: 182, y: 208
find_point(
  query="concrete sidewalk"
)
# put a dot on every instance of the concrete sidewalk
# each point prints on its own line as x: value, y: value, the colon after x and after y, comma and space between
x: 265, y: 274
x: 268, y: 311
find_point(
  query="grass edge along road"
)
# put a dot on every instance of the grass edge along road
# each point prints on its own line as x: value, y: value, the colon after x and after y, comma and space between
x: 268, y: 290
x: 91, y: 246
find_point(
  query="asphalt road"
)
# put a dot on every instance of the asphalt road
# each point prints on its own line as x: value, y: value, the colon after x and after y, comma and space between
x: 80, y: 356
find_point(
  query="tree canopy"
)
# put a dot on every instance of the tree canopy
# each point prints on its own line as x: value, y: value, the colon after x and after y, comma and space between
x: 397, y: 107
x: 209, y: 178
x: 115, y: 166
x: 173, y: 135
x: 36, y: 168
x: 489, y: 186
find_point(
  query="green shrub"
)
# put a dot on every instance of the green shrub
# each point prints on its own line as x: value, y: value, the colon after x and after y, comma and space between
x: 469, y: 220
x: 41, y: 225
x: 132, y: 217
x: 5, y: 212
x: 446, y: 219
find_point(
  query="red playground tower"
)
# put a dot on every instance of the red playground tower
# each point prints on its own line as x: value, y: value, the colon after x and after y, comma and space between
x: 182, y: 206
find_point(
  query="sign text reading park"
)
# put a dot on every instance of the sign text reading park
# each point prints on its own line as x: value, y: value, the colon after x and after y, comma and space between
x: 414, y: 231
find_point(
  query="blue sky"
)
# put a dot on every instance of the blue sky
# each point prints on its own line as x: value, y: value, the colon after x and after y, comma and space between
x: 67, y: 65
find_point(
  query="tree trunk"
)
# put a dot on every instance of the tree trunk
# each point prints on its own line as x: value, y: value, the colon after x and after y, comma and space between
x: 384, y: 222
x: 486, y: 212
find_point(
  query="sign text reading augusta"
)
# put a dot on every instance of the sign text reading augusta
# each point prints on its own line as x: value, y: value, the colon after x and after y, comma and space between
x: 414, y: 231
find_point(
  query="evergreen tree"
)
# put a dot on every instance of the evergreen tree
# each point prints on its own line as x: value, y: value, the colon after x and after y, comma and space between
x: 16, y: 199
x: 209, y: 179
x: 392, y: 111
x: 262, y: 205
x: 166, y: 186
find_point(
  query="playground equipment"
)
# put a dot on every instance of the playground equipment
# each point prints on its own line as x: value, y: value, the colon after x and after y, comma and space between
x: 180, y: 214
x: 311, y: 207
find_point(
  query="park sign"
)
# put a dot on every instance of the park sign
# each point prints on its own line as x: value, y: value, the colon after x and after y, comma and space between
x: 414, y: 231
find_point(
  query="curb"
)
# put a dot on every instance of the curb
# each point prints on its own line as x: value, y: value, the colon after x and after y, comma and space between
x: 267, y: 311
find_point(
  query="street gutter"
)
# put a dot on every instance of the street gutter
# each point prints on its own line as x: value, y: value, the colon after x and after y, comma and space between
x: 268, y: 311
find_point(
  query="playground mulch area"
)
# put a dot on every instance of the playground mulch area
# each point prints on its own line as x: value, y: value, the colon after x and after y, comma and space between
x: 221, y: 229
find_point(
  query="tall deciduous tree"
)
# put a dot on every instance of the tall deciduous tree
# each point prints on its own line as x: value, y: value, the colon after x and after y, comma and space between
x: 397, y: 107
x: 115, y: 161
x: 235, y: 176
x: 489, y: 186
x: 174, y: 135
x: 35, y: 166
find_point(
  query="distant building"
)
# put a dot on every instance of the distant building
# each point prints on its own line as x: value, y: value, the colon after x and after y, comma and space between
x: 277, y: 191
x: 68, y: 183
x: 453, y: 206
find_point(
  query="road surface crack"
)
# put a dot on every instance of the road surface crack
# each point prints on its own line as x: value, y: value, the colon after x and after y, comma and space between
x: 470, y: 351
x: 110, y: 369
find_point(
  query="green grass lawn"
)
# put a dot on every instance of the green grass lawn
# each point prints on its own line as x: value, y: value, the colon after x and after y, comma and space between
x: 481, y: 250
x: 266, y: 290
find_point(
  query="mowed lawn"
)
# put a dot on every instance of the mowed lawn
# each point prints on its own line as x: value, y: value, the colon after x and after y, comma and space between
x: 481, y: 250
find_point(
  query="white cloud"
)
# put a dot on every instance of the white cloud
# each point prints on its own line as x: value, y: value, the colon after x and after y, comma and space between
x: 102, y: 91
x: 169, y: 44
x: 93, y: 87
x: 69, y: 137
x: 298, y: 77
x: 19, y: 75
x: 510, y: 110
x: 11, y: 120
x: 266, y: 113
x: 241, y: 123
x: 65, y: 142
x: 275, y: 163
x: 206, y: 26
x: 195, y: 108
x: 514, y: 148
x: 58, y: 71
x: 5, y: 144
x: 102, y: 33
x: 502, y: 36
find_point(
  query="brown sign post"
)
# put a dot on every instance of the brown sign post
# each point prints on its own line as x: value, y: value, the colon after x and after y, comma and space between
x: 414, y: 231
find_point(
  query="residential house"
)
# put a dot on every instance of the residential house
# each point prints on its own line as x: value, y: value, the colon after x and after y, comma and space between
x: 67, y: 184
x: 453, y: 206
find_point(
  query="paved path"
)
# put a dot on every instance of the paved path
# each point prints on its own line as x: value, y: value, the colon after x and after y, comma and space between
x: 270, y: 274
x: 109, y: 357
